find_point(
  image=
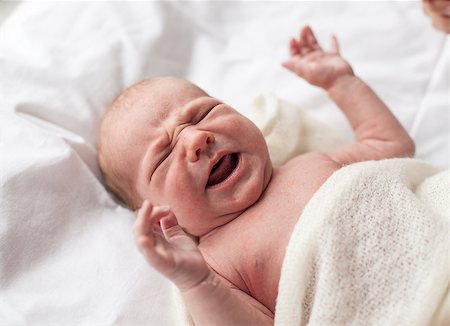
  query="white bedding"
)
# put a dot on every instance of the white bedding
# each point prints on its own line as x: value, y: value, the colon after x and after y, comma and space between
x: 66, y: 251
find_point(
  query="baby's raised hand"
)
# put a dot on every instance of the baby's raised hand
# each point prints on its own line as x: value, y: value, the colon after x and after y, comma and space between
x: 168, y: 248
x: 309, y: 61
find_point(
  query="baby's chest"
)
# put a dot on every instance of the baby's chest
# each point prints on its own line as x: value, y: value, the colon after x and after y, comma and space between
x: 272, y: 221
x: 291, y: 188
x: 253, y: 259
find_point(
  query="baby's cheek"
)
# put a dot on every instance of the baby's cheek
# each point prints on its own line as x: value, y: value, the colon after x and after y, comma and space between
x: 178, y: 186
x: 157, y: 191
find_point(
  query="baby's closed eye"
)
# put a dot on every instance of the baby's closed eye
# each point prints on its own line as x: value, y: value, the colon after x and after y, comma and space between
x: 203, y: 114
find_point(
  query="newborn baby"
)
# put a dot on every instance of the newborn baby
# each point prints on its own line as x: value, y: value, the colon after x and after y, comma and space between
x: 213, y: 215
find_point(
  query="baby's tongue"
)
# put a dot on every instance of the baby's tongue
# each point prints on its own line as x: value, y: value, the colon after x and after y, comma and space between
x: 222, y: 169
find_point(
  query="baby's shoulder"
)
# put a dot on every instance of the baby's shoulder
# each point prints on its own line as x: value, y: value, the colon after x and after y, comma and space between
x: 316, y: 160
x: 301, y: 176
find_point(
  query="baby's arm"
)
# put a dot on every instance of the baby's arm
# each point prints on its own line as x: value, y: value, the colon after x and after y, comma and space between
x: 378, y: 134
x: 210, y: 299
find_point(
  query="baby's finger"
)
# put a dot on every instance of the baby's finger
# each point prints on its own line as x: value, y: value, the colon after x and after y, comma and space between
x: 154, y: 249
x: 142, y: 225
x: 157, y: 214
x: 148, y: 217
x: 170, y: 226
x: 296, y: 66
x: 293, y: 47
x: 310, y: 37
x: 308, y: 42
x: 302, y: 42
x: 288, y: 64
x: 334, y: 44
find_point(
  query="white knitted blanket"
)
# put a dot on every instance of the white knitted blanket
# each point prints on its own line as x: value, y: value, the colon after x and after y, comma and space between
x: 371, y: 248
x: 372, y: 245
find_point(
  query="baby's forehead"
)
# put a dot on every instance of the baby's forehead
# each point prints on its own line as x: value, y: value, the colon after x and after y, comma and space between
x: 152, y: 102
x: 167, y: 95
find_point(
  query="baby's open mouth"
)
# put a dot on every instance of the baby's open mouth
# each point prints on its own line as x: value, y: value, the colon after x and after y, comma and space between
x: 222, y: 169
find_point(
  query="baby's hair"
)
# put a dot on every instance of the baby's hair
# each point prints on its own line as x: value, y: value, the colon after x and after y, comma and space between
x: 113, y: 179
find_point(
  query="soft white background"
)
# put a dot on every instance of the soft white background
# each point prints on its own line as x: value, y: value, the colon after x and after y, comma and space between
x: 66, y: 251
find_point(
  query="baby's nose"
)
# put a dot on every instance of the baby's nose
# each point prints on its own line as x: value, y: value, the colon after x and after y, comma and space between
x: 197, y: 142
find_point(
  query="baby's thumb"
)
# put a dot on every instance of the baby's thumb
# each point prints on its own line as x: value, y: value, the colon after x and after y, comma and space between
x: 288, y: 64
x: 170, y: 226
x: 334, y: 44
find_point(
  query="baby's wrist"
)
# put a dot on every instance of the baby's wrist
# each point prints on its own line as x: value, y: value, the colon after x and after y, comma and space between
x: 210, y: 281
x: 343, y: 83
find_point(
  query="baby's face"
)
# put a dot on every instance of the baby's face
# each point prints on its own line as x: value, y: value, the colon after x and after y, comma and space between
x: 194, y: 153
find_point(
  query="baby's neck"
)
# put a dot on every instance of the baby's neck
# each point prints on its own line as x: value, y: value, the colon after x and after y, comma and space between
x: 234, y: 216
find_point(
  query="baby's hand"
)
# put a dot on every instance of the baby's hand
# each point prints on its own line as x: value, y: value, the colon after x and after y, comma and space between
x: 168, y: 248
x: 439, y: 12
x: 309, y: 61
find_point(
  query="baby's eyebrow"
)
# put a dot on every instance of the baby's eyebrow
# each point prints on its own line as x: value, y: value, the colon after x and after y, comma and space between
x: 187, y: 111
x: 193, y: 107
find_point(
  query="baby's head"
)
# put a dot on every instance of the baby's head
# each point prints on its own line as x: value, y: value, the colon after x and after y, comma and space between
x: 166, y: 140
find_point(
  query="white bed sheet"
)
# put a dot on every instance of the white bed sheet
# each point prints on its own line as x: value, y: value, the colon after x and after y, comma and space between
x: 66, y: 251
